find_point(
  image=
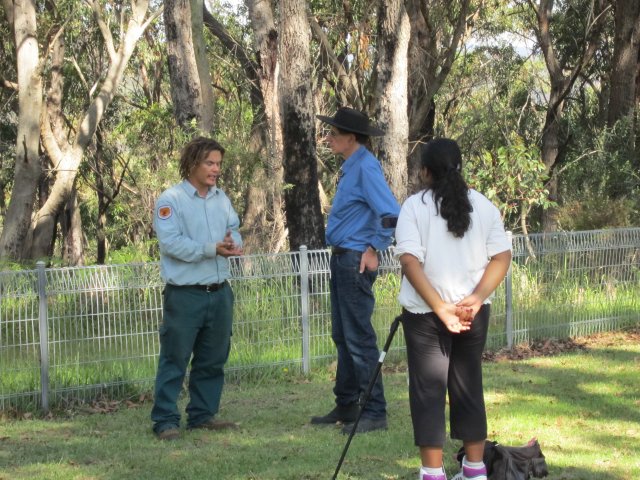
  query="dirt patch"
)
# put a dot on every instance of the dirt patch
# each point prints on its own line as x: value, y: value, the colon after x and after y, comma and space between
x: 555, y: 346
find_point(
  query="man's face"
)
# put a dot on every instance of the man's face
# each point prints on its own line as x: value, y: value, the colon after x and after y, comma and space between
x: 206, y: 174
x: 339, y: 143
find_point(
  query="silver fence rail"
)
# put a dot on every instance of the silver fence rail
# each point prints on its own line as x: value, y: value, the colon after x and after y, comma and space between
x: 74, y: 334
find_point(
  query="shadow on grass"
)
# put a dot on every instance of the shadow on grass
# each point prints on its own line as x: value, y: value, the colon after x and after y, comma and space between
x: 582, y: 407
x: 578, y: 405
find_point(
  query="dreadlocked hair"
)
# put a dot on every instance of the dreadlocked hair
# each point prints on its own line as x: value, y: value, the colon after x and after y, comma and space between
x: 443, y: 159
x: 195, y: 152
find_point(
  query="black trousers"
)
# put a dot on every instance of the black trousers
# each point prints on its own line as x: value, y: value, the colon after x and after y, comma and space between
x: 440, y: 361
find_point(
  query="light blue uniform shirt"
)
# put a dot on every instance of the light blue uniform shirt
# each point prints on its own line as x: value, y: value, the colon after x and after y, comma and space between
x: 188, y: 228
x: 362, y: 200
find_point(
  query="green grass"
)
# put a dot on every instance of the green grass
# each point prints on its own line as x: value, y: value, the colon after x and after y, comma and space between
x: 583, y: 406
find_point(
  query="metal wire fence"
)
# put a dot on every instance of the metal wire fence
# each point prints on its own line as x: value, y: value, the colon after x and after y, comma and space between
x: 73, y: 334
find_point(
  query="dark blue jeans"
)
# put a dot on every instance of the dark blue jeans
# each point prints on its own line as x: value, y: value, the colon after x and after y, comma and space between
x: 352, y: 303
x: 196, y: 330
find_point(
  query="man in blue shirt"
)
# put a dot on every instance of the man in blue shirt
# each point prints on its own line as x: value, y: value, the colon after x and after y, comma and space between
x: 197, y: 230
x: 360, y: 224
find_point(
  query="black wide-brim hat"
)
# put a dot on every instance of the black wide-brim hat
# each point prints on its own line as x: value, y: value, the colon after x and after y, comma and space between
x: 352, y: 121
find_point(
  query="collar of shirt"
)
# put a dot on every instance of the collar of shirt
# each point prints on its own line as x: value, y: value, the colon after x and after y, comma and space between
x: 350, y: 162
x: 192, y: 192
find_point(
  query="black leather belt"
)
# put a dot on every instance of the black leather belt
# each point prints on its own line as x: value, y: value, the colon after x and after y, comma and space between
x: 212, y: 287
x: 341, y: 250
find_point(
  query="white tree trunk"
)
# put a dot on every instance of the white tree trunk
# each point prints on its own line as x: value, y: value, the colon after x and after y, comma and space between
x: 264, y: 214
x: 22, y: 16
x: 67, y: 160
x: 191, y: 90
x: 391, y: 93
x: 207, y: 106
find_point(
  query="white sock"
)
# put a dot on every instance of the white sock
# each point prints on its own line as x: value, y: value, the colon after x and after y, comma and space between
x: 431, y: 471
x: 472, y: 464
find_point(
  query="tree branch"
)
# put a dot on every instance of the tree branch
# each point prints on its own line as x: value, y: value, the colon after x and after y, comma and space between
x: 49, y: 141
x: 104, y: 29
x: 544, y: 37
x: 345, y: 81
x: 152, y: 18
x: 452, y: 48
x: 231, y: 44
x: 8, y: 85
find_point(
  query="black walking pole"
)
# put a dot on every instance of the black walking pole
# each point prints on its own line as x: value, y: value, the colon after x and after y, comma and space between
x: 367, y: 394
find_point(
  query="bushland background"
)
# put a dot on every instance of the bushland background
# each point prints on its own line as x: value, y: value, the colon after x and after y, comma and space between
x: 97, y: 98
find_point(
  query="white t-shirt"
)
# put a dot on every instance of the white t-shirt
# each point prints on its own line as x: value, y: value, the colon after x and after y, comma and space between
x: 454, y: 266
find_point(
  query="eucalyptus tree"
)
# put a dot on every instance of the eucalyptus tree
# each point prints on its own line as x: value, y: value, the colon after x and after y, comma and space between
x: 302, y: 199
x: 32, y: 236
x: 626, y: 60
x: 263, y: 223
x: 269, y: 176
x: 191, y: 89
x: 21, y: 17
x: 439, y: 29
x: 565, y: 59
x: 390, y: 110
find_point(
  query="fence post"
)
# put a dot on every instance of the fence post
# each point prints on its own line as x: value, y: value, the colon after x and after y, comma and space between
x: 304, y: 306
x: 508, y: 293
x: 43, y: 321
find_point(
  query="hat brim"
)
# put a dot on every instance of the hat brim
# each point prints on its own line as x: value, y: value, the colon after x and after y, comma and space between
x: 371, y: 131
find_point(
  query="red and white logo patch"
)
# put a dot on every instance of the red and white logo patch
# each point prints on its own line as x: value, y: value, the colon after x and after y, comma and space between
x: 164, y: 212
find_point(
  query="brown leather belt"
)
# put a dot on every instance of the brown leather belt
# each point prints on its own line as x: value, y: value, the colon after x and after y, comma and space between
x: 212, y: 287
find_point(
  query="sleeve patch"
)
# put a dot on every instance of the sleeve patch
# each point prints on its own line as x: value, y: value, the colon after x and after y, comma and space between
x: 164, y: 212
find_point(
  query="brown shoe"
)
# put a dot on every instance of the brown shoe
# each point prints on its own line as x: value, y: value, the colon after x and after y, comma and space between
x: 168, y: 434
x: 215, y: 424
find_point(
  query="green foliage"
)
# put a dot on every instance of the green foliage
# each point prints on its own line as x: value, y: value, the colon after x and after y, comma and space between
x: 493, y: 102
x: 8, y: 114
x: 490, y: 96
x: 600, y: 181
x: 593, y: 212
x: 512, y: 177
x: 571, y: 24
x: 146, y: 251
x: 491, y: 111
x: 141, y: 146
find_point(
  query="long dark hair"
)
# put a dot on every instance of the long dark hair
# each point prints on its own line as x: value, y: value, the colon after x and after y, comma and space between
x: 443, y: 159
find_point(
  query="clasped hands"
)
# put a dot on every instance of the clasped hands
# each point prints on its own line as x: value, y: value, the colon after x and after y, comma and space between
x: 457, y: 317
x: 227, y: 247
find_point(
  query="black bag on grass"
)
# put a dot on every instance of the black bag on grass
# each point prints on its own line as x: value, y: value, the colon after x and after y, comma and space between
x: 512, y: 463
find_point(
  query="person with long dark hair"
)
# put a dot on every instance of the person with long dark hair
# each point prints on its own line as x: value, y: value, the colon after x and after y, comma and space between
x: 454, y: 253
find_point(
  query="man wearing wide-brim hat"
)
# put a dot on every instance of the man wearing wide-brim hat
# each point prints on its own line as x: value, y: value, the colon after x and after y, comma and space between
x: 359, y: 226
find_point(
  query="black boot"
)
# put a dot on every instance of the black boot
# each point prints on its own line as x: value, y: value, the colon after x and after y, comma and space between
x: 344, y: 414
x: 366, y: 425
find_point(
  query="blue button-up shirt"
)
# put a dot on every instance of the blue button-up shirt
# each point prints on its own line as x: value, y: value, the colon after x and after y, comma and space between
x: 362, y: 200
x: 188, y: 228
